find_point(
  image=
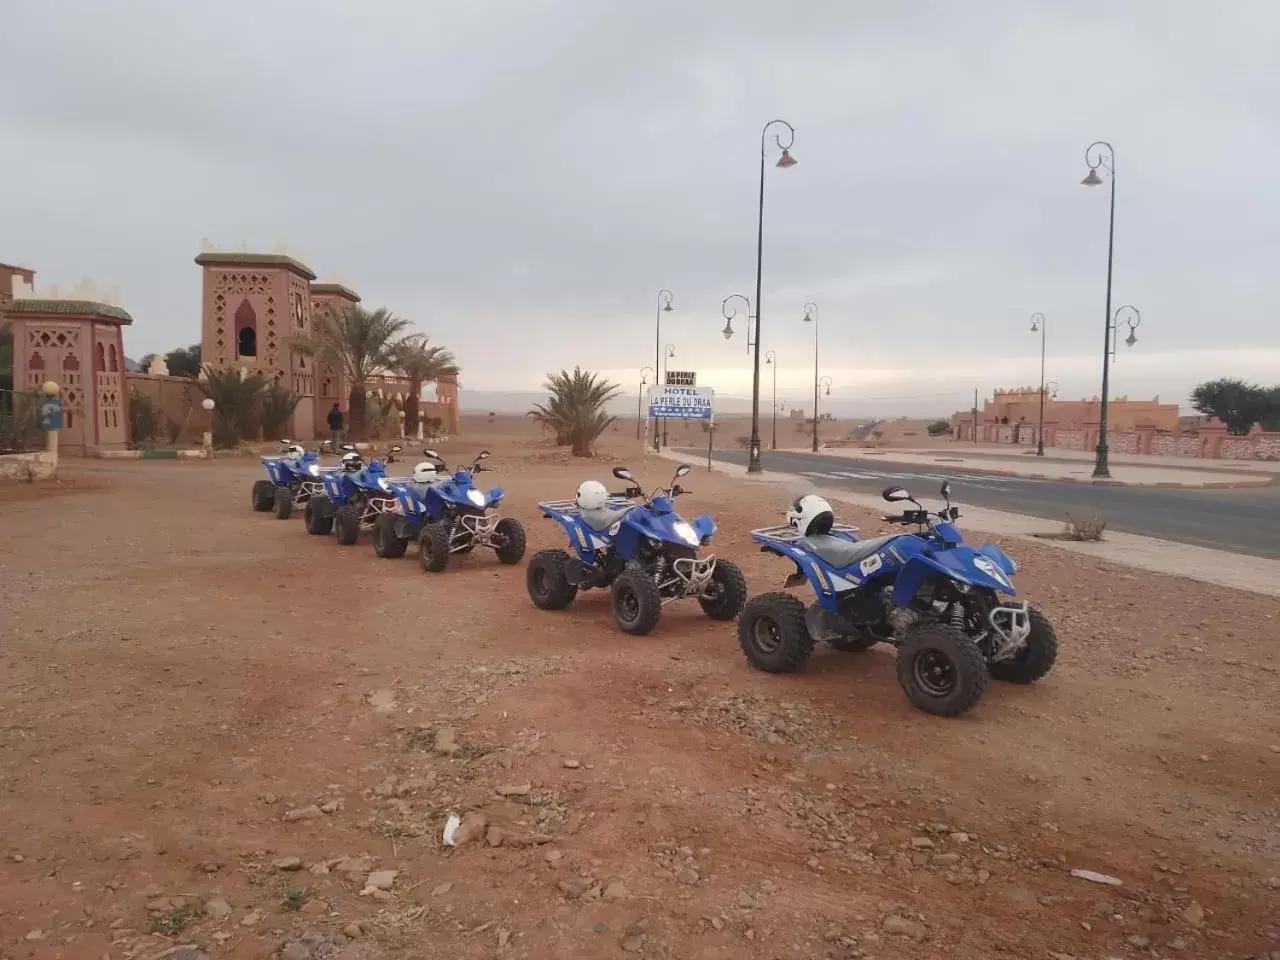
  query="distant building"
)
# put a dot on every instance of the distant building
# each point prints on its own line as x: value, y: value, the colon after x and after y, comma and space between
x: 1013, y: 416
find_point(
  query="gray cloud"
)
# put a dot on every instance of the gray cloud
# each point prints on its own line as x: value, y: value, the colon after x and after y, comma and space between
x: 520, y: 178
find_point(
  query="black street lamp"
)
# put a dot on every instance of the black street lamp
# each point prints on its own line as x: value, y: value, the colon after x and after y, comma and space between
x: 826, y: 385
x: 730, y: 314
x: 668, y: 352
x: 664, y: 306
x: 1039, y: 323
x: 784, y: 161
x: 811, y: 316
x: 771, y: 359
x: 644, y: 380
x: 1101, y: 155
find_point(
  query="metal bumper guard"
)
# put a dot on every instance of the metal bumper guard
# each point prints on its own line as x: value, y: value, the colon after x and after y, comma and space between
x: 472, y: 530
x: 1012, y: 626
x: 695, y: 574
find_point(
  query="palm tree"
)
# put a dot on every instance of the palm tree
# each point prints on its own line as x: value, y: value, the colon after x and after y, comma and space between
x: 276, y: 406
x: 575, y: 410
x: 419, y: 363
x: 237, y: 398
x: 356, y: 343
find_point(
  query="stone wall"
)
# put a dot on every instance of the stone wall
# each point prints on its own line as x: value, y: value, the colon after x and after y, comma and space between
x: 1210, y: 441
x: 27, y: 466
x: 175, y: 398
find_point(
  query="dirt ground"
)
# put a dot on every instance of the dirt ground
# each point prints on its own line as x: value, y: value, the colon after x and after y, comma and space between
x: 218, y: 735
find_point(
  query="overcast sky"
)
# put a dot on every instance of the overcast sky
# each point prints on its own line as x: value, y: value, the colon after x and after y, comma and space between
x: 520, y: 178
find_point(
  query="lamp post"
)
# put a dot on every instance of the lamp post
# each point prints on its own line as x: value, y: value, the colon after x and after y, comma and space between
x: 668, y: 352
x: 208, y: 405
x: 811, y: 316
x: 640, y: 399
x: 1101, y: 155
x: 784, y: 161
x: 1039, y: 323
x: 664, y: 306
x: 771, y: 359
x: 826, y: 385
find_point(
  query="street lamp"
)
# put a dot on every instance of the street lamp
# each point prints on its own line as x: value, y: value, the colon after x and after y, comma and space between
x: 771, y: 359
x: 826, y: 385
x: 784, y: 161
x: 668, y: 352
x: 1038, y: 323
x: 1132, y: 319
x: 730, y: 313
x: 811, y: 316
x: 1100, y: 155
x: 640, y: 399
x: 664, y: 306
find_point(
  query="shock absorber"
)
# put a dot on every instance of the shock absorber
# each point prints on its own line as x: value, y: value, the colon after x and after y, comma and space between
x: 659, y: 568
x: 956, y: 613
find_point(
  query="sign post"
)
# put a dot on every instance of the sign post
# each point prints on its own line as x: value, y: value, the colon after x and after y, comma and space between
x: 678, y: 402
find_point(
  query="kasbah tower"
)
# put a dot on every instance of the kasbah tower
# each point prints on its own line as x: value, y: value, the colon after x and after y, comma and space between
x: 253, y: 303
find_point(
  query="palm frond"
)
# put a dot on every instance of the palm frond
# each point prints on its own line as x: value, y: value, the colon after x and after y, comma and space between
x: 575, y: 411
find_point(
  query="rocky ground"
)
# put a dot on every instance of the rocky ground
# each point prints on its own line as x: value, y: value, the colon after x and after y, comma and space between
x: 223, y: 738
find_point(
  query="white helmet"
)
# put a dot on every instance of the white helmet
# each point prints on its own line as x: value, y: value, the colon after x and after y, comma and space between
x: 424, y: 472
x: 294, y: 451
x: 810, y: 516
x: 351, y: 461
x: 592, y: 495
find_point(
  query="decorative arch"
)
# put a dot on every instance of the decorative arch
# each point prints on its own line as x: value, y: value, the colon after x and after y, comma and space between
x: 246, y: 322
x: 100, y: 359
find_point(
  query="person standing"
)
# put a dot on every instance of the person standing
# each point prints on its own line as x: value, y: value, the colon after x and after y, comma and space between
x: 335, y: 424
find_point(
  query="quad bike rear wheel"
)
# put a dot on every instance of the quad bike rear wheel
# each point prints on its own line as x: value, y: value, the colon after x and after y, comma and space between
x: 772, y: 633
x: 385, y: 542
x: 433, y: 547
x: 264, y: 492
x: 941, y: 670
x: 545, y: 579
x: 318, y: 520
x: 1035, y: 659
x: 727, y: 592
x: 636, y: 602
x: 283, y: 503
x: 511, y: 540
x: 347, y: 522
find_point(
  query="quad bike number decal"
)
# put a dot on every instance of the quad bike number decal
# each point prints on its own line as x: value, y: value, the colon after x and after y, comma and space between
x: 871, y: 565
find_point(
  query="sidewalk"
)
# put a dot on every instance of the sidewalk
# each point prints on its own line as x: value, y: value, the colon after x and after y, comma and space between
x: 1130, y: 471
x: 1219, y: 567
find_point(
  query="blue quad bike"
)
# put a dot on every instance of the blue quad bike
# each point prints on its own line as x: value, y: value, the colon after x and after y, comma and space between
x: 448, y: 516
x: 645, y: 554
x: 354, y: 496
x: 291, y: 481
x: 948, y: 607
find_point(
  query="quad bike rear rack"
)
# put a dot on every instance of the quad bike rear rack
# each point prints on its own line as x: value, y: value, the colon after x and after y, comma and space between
x: 570, y: 508
x: 786, y: 533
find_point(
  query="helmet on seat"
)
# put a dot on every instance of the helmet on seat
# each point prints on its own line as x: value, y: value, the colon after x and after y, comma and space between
x: 425, y: 472
x: 592, y: 495
x: 811, y: 516
x: 351, y: 461
x: 294, y: 451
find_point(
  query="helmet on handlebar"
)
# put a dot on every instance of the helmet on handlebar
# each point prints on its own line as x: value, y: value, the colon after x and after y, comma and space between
x: 592, y: 495
x: 294, y: 451
x: 351, y: 461
x: 424, y: 472
x: 810, y: 516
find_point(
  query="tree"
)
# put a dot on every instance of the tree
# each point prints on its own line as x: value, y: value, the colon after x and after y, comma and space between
x: 237, y: 398
x: 1270, y: 419
x: 144, y: 365
x: 939, y: 428
x: 355, y: 342
x: 1237, y: 404
x: 576, y: 408
x: 419, y: 363
x: 183, y: 362
x: 276, y: 405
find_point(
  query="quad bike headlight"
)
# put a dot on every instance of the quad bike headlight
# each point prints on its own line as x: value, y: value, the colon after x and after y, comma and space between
x: 476, y: 497
x: 685, y: 532
x: 313, y: 469
x: 382, y: 482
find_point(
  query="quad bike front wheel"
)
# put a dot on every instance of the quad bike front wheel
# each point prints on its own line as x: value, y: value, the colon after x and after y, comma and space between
x: 385, y: 542
x: 941, y: 670
x: 318, y: 520
x: 549, y: 588
x: 347, y: 522
x: 264, y: 492
x: 772, y: 633
x: 636, y: 602
x: 433, y: 548
x: 509, y: 537
x: 283, y: 503
x: 1035, y: 659
x: 726, y: 593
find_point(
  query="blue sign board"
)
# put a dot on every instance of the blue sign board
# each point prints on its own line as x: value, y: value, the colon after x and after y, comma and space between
x: 682, y: 403
x: 50, y: 413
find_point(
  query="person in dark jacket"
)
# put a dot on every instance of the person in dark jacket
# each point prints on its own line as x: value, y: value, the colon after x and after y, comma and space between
x: 335, y: 424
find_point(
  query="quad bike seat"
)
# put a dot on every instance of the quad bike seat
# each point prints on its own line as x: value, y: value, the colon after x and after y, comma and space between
x: 605, y: 517
x: 843, y: 553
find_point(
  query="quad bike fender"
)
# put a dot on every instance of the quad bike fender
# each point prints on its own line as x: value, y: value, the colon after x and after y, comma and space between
x: 1000, y: 558
x: 494, y: 497
x: 963, y: 565
x: 579, y: 537
x: 704, y: 527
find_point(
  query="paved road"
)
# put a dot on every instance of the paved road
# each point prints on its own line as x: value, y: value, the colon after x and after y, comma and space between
x: 1245, y: 521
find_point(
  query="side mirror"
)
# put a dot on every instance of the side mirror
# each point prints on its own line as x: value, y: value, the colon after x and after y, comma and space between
x: 348, y: 447
x: 396, y: 448
x: 286, y: 443
x: 482, y: 455
x: 895, y: 494
x: 683, y: 469
x: 431, y: 453
x: 946, y: 490
x: 622, y: 473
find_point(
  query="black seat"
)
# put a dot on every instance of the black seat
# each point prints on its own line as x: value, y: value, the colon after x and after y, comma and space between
x: 844, y: 553
x: 605, y: 517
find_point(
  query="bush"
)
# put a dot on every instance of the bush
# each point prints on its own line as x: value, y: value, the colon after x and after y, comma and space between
x: 276, y: 407
x: 940, y: 428
x: 20, y: 421
x: 1084, y: 529
x: 144, y: 421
